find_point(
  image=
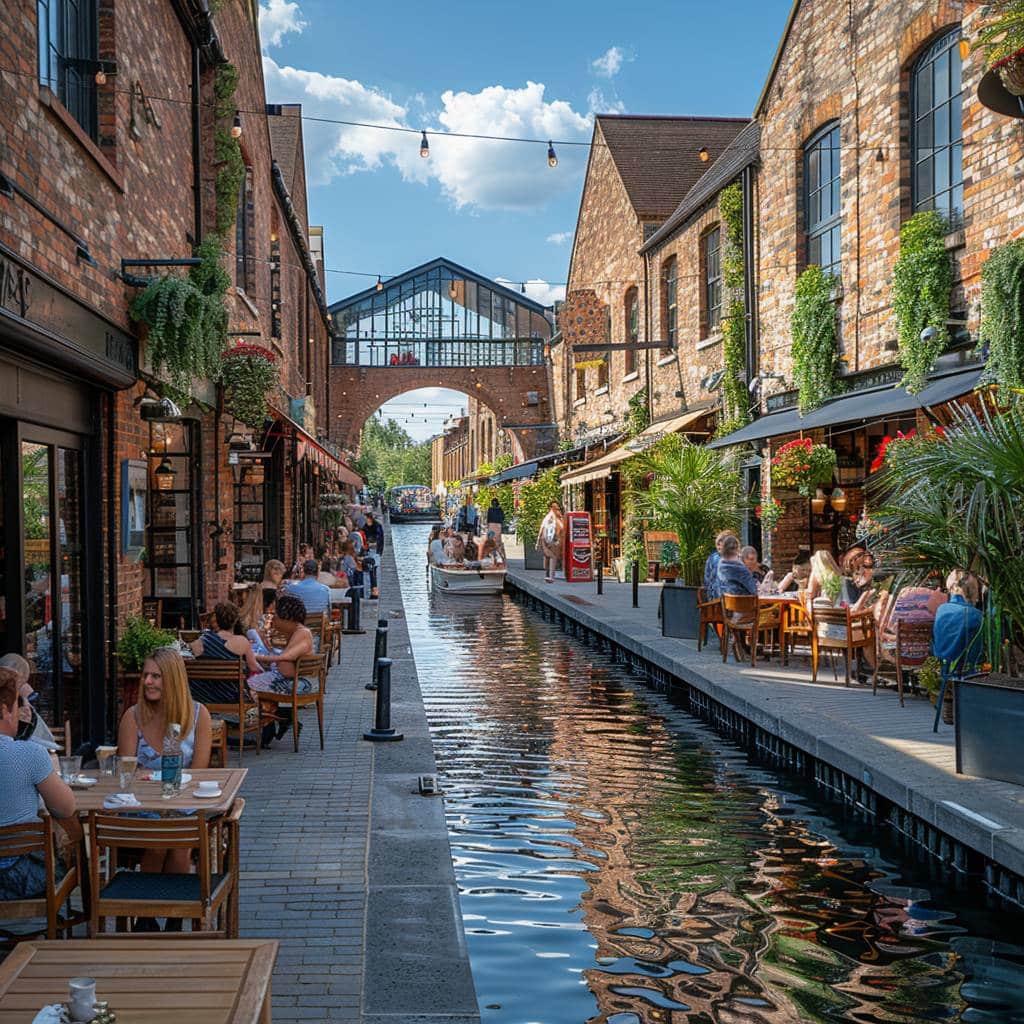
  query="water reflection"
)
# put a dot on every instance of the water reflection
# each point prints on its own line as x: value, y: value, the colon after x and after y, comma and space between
x: 619, y: 863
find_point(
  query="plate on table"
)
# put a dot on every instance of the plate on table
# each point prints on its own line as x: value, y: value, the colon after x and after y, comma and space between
x: 83, y: 782
x: 213, y: 793
x: 155, y: 776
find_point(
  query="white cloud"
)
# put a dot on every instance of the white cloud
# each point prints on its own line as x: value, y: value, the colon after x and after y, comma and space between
x: 598, y: 103
x: 537, y: 289
x: 559, y: 237
x: 474, y: 173
x: 277, y: 19
x: 610, y: 62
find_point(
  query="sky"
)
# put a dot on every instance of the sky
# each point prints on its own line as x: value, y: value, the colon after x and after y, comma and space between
x: 534, y: 68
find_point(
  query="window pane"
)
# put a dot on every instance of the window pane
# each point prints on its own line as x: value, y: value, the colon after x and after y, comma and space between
x: 940, y: 124
x: 925, y: 132
x: 941, y: 173
x: 923, y: 81
x: 941, y: 77
x: 925, y: 178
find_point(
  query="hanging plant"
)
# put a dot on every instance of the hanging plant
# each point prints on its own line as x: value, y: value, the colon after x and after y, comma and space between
x: 227, y: 152
x: 735, y: 397
x: 801, y: 465
x: 815, y: 339
x: 922, y: 285
x: 1002, y: 314
x: 769, y: 514
x: 249, y: 373
x: 1002, y: 42
x: 187, y: 321
x: 638, y: 417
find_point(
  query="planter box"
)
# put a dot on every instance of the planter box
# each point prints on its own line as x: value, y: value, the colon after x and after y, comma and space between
x: 680, y: 616
x: 532, y: 557
x: 989, y: 724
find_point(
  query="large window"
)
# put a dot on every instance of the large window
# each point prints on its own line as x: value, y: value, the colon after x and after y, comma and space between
x: 245, y: 242
x: 822, y: 201
x: 632, y: 328
x: 937, y: 117
x: 711, y: 261
x: 669, y: 285
x: 67, y: 31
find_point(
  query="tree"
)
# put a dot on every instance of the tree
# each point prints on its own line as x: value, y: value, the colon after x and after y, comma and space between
x: 389, y: 456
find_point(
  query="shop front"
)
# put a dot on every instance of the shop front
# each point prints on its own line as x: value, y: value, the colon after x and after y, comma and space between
x: 59, y: 362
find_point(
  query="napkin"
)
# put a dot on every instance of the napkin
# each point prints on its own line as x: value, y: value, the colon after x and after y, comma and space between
x: 54, y: 1014
x: 117, y: 800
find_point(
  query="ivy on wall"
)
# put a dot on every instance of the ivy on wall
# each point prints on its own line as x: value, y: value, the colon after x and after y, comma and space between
x: 638, y: 416
x: 922, y: 286
x: 735, y: 399
x: 1002, y: 314
x: 815, y: 352
x: 227, y: 153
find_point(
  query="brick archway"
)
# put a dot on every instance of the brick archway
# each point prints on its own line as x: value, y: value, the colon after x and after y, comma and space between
x: 519, y: 397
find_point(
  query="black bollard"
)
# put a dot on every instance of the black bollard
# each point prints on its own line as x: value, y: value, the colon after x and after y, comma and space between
x: 382, y: 719
x: 380, y: 650
x: 636, y: 584
x: 356, y: 595
x: 600, y: 574
x: 657, y: 572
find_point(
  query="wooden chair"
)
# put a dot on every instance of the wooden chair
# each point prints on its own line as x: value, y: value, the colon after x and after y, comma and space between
x: 200, y: 897
x: 313, y: 666
x: 908, y: 648
x: 710, y: 616
x: 189, y: 636
x: 226, y: 677
x: 38, y: 837
x: 839, y: 629
x: 219, y: 743
x: 798, y: 628
x: 742, y: 615
x: 654, y: 541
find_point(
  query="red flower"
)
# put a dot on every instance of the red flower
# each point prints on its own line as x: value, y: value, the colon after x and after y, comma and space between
x: 247, y: 349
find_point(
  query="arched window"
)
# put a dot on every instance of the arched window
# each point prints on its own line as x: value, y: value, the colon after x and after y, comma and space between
x: 669, y: 324
x: 822, y: 200
x: 632, y: 305
x: 936, y: 112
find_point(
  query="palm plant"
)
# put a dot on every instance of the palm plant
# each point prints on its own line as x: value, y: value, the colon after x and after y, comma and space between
x: 954, y: 502
x: 695, y: 492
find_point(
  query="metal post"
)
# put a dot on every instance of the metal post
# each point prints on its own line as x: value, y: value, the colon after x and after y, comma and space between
x: 380, y: 650
x: 382, y: 719
x: 657, y: 572
x: 636, y: 584
x: 600, y: 572
x: 356, y: 596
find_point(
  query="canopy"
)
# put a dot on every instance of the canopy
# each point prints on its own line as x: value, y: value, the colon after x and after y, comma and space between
x: 310, y: 448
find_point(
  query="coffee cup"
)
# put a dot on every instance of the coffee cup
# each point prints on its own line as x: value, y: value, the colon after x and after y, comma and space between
x: 208, y: 786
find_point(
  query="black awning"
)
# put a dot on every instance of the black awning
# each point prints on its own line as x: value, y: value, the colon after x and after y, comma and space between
x: 945, y: 389
x: 788, y: 421
x: 524, y: 469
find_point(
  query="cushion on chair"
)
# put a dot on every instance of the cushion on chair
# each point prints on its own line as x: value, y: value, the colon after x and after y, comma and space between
x: 156, y: 885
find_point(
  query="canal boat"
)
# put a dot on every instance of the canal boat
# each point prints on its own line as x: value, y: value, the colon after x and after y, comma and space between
x: 413, y: 503
x: 466, y: 581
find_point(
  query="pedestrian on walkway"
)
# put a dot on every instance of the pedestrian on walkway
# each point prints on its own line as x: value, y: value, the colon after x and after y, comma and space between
x: 495, y: 517
x: 469, y: 518
x: 549, y: 540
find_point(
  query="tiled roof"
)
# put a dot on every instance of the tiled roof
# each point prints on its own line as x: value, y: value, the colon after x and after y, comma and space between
x: 285, y: 121
x: 657, y: 157
x: 740, y: 153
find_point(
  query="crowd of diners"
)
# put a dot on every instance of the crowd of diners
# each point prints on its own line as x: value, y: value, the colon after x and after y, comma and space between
x: 950, y: 605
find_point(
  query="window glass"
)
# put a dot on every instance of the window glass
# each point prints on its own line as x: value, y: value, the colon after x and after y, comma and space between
x: 67, y: 52
x: 632, y: 328
x: 712, y: 260
x: 822, y: 200
x: 668, y: 302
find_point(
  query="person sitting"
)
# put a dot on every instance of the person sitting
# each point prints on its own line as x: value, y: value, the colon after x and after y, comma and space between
x: 748, y: 556
x: 799, y: 576
x: 956, y: 634
x: 455, y: 548
x: 28, y: 777
x: 490, y: 556
x: 165, y: 699
x: 315, y: 596
x: 733, y: 576
x: 30, y: 725
x: 304, y: 555
x: 711, y: 587
x: 224, y: 642
x: 326, y: 575
x: 435, y: 548
x: 826, y: 581
x: 289, y: 622
x: 858, y: 590
x: 273, y: 575
x: 472, y: 552
x: 352, y: 567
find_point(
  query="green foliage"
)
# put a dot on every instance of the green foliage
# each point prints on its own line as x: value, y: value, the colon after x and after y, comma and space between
x: 388, y: 456
x: 35, y: 492
x: 922, y: 285
x: 1003, y: 37
x: 695, y: 492
x: 139, y: 640
x: 227, y: 152
x: 803, y: 466
x: 735, y: 397
x: 534, y: 498
x: 505, y: 493
x: 1002, y: 314
x: 815, y: 352
x: 669, y: 555
x: 638, y: 416
x: 249, y: 374
x: 730, y: 209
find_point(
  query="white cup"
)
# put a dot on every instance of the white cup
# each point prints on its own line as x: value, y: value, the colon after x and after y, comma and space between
x: 208, y: 786
x: 81, y: 998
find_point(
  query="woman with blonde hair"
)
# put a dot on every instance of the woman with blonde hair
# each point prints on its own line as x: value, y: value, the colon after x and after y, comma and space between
x: 826, y: 578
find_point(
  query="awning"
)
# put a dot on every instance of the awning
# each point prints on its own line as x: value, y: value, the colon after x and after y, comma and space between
x: 524, y: 469
x: 310, y: 448
x: 603, y: 467
x: 867, y: 406
x: 519, y: 472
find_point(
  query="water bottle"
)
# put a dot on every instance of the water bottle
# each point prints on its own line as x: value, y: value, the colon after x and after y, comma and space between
x: 170, y: 762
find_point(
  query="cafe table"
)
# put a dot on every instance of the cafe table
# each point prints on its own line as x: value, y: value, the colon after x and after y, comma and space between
x: 785, y: 603
x: 148, y: 792
x: 145, y: 980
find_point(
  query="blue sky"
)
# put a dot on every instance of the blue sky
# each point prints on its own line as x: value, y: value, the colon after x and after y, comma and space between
x: 536, y: 69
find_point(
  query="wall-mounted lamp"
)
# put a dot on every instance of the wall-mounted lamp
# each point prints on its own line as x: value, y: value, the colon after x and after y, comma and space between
x: 164, y: 475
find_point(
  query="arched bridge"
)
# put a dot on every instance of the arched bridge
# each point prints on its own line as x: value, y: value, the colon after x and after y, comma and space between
x: 441, y: 325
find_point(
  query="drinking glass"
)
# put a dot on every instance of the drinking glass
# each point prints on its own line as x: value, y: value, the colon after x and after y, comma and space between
x: 126, y: 773
x: 105, y: 759
x: 70, y: 767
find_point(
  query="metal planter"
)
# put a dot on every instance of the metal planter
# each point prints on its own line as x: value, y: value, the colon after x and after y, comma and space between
x: 680, y: 616
x: 533, y: 557
x: 989, y: 725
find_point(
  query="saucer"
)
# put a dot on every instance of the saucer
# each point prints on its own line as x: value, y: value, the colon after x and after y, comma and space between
x: 156, y: 776
x: 213, y: 793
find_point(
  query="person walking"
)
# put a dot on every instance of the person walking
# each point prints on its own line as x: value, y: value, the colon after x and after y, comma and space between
x: 495, y: 518
x: 469, y: 518
x: 549, y: 540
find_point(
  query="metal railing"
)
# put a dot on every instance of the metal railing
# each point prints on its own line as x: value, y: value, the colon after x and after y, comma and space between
x: 400, y: 354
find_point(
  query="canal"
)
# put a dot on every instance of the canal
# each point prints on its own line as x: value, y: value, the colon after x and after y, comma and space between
x: 618, y: 862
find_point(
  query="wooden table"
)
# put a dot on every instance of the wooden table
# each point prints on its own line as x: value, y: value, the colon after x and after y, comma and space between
x: 784, y: 602
x: 148, y: 793
x: 145, y: 980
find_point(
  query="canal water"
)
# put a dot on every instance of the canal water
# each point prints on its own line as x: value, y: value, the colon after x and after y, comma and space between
x: 618, y: 862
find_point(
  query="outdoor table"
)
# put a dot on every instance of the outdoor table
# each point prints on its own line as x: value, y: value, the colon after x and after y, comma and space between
x: 145, y: 980
x: 784, y: 602
x: 148, y: 793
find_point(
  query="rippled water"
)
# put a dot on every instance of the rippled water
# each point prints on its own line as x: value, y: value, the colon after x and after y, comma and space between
x: 620, y: 863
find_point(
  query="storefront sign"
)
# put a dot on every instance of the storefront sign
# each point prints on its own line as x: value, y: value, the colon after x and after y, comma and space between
x: 55, y: 326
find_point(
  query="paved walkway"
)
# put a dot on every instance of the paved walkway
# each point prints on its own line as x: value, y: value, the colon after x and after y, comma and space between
x: 346, y: 865
x: 871, y: 738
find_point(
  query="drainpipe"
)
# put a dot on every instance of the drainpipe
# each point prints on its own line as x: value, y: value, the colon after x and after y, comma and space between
x: 113, y: 545
x: 197, y: 176
x: 647, y: 337
x: 749, y: 274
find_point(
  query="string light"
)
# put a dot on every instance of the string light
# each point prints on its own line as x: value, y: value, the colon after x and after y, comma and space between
x: 704, y: 155
x: 101, y: 77
x: 380, y: 284
x: 424, y: 145
x: 236, y: 126
x: 552, y: 158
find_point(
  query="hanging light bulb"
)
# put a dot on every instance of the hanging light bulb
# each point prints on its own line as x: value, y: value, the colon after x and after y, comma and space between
x: 818, y: 502
x: 101, y: 77
x: 380, y: 284
x: 838, y: 499
x: 552, y: 158
x: 424, y: 145
x: 236, y: 126
x: 704, y: 155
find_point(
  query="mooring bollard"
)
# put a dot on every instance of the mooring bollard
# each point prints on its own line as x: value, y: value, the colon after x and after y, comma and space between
x: 600, y: 574
x: 636, y: 584
x: 382, y: 719
x: 380, y: 650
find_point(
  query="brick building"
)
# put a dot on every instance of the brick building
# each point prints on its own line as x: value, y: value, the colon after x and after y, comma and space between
x: 108, y: 152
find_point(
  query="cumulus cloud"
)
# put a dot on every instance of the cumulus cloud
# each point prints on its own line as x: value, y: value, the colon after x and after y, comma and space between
x: 538, y: 290
x: 474, y: 173
x: 277, y: 19
x: 610, y: 62
x: 559, y: 237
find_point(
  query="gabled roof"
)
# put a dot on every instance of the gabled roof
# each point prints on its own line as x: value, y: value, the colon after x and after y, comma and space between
x: 739, y: 154
x: 656, y: 157
x: 284, y: 121
x: 777, y: 59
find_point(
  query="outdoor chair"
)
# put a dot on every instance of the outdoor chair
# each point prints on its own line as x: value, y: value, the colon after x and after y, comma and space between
x: 710, y: 616
x: 201, y: 897
x: 907, y: 648
x: 189, y: 636
x: 40, y: 837
x: 839, y: 629
x: 743, y: 617
x: 218, y: 743
x: 219, y: 683
x: 313, y: 667
x: 798, y: 628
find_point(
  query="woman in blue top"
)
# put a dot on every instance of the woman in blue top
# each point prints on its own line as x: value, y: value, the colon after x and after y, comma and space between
x: 956, y: 635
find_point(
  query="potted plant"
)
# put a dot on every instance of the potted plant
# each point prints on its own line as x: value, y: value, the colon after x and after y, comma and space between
x: 800, y: 466
x: 694, y: 492
x: 669, y: 560
x: 139, y: 639
x: 534, y: 498
x: 248, y: 373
